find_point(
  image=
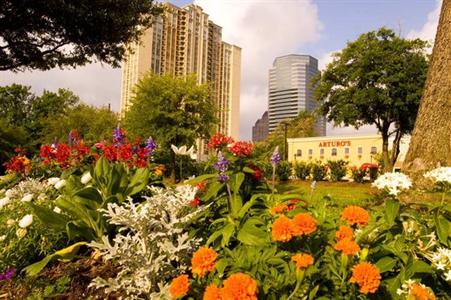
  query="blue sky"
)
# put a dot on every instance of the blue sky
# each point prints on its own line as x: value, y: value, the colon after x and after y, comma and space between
x: 264, y: 29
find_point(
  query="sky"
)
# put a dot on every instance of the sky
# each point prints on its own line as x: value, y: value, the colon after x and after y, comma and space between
x: 264, y: 29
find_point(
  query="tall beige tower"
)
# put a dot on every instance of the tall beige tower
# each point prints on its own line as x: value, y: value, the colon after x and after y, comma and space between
x: 184, y: 41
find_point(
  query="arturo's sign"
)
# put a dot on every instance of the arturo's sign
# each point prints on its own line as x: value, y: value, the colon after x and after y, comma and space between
x: 335, y: 144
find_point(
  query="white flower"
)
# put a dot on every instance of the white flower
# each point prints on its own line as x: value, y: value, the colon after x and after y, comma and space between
x: 4, y: 201
x: 27, y: 198
x: 53, y: 180
x: 182, y: 151
x: 448, y: 276
x: 9, y: 193
x: 57, y: 210
x: 60, y: 184
x: 42, y: 196
x: 26, y: 221
x: 400, y: 292
x: 442, y: 174
x: 2, y: 238
x: 440, y: 266
x: 393, y: 183
x: 10, y: 222
x: 86, y: 178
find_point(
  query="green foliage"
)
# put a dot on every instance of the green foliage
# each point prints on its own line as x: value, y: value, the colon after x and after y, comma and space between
x: 300, y: 126
x: 358, y: 175
x: 302, y: 169
x: 337, y: 169
x: 377, y: 79
x: 172, y: 110
x: 93, y: 124
x: 10, y: 137
x: 283, y: 170
x: 318, y: 171
x: 58, y: 33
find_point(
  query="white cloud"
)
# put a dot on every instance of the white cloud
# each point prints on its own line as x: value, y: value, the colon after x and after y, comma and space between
x: 264, y: 30
x: 94, y: 83
x: 427, y: 32
x: 326, y: 59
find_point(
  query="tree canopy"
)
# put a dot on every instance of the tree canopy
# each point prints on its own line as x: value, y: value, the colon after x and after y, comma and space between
x: 377, y: 79
x: 57, y: 33
x: 171, y: 110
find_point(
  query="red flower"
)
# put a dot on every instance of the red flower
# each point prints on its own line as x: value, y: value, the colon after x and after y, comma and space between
x: 141, y: 163
x: 201, y: 186
x: 242, y: 148
x: 110, y: 152
x: 125, y: 152
x: 62, y: 154
x: 219, y: 140
x: 195, y: 202
x: 292, y: 204
x: 46, y: 151
x: 18, y: 164
x: 258, y: 174
x: 142, y: 152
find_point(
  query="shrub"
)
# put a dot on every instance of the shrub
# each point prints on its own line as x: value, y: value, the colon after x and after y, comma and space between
x: 358, y: 174
x: 318, y: 171
x: 337, y: 169
x: 283, y: 171
x: 302, y: 170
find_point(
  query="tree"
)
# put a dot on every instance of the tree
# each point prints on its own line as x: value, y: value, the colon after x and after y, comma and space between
x: 46, y: 34
x: 377, y: 79
x: 15, y: 102
x: 171, y: 110
x: 92, y: 124
x: 300, y: 126
x: 430, y: 145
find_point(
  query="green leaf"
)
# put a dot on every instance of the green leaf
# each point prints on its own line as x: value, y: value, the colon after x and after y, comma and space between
x: 49, y: 217
x: 419, y: 266
x: 253, y: 233
x: 138, y: 181
x: 248, y: 170
x: 442, y: 227
x: 90, y: 193
x: 391, y: 211
x: 386, y: 264
x: 313, y: 292
x: 227, y: 233
x: 235, y: 182
x: 101, y: 170
x: 66, y: 253
x: 201, y: 178
x: 212, y: 190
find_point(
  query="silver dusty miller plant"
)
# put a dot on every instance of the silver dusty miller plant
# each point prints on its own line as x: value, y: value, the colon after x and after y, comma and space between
x: 152, y: 245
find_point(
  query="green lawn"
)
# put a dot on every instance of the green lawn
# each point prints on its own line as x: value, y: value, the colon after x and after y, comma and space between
x: 342, y: 193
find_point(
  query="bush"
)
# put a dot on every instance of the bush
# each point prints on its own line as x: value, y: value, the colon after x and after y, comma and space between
x: 283, y: 171
x: 358, y: 174
x: 318, y: 171
x: 337, y: 169
x: 302, y: 170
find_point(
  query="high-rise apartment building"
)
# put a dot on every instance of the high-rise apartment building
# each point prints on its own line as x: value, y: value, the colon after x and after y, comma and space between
x: 290, y: 90
x: 184, y: 41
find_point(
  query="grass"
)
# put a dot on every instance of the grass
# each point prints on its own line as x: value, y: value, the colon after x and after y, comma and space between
x: 342, y: 193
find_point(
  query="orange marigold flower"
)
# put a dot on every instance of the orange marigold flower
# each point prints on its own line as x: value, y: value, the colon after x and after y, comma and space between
x: 344, y: 232
x: 282, y: 229
x: 239, y: 286
x: 348, y: 246
x: 303, y: 260
x: 355, y: 215
x: 179, y: 286
x: 303, y: 224
x: 279, y: 209
x: 367, y: 276
x: 420, y: 292
x: 212, y: 292
x: 203, y: 261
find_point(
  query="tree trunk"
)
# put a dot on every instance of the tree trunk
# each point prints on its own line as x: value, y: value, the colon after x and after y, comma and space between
x: 395, y: 147
x: 430, y: 145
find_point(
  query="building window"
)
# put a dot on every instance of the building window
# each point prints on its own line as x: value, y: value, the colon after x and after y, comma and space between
x: 321, y: 152
x: 347, y: 151
x: 373, y: 150
x: 299, y: 152
x: 334, y: 151
x: 310, y: 152
x: 360, y: 150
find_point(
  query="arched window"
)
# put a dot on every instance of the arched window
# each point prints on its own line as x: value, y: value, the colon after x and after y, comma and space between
x: 334, y: 151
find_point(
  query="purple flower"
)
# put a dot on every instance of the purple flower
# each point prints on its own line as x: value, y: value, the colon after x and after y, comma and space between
x: 275, y: 157
x: 118, y: 135
x: 222, y: 177
x: 222, y: 164
x: 150, y: 145
x: 8, y: 274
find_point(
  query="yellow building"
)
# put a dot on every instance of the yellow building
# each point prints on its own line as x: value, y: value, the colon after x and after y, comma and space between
x: 357, y: 150
x: 184, y: 41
